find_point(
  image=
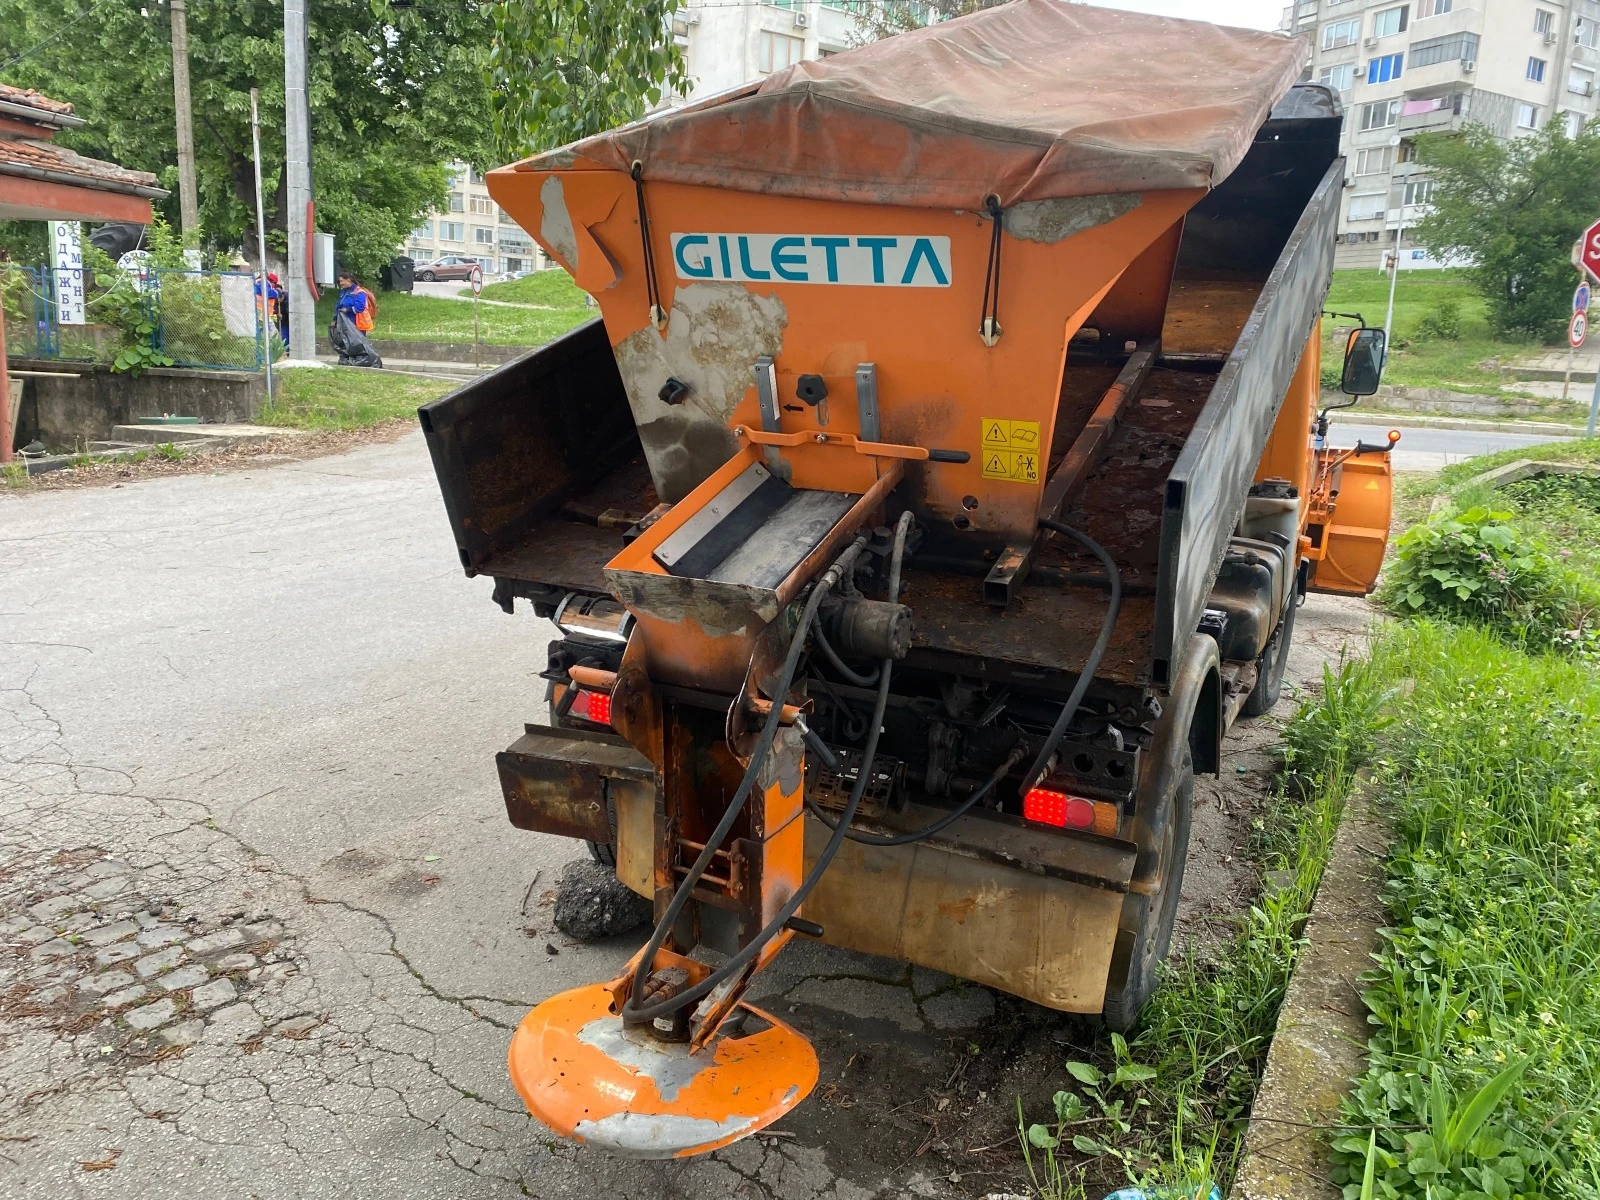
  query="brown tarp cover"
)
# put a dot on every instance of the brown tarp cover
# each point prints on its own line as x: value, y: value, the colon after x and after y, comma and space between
x: 1032, y: 100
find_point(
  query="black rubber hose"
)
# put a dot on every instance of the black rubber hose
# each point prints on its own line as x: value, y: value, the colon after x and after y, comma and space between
x: 832, y: 656
x: 1085, y: 678
x: 1091, y: 664
x: 829, y: 580
x: 745, y: 955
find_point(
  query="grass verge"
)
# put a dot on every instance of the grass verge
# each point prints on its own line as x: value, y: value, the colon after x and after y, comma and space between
x: 1466, y: 363
x: 403, y: 317
x: 1483, y: 1079
x: 1171, y: 1106
x: 552, y: 289
x: 345, y: 398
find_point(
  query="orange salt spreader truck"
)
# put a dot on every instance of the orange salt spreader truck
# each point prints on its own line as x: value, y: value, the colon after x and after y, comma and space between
x: 936, y: 487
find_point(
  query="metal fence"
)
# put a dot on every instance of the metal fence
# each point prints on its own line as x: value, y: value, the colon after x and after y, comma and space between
x: 207, y: 319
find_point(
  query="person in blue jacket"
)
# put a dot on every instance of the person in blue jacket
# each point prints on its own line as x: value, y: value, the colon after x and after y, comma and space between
x: 352, y: 298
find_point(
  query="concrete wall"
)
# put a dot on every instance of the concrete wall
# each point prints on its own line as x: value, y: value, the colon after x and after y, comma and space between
x: 80, y: 402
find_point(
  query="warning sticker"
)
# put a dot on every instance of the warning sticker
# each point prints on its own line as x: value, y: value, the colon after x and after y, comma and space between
x: 1011, y: 450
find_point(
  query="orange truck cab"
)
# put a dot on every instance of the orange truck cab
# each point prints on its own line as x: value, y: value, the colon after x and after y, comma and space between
x: 936, y: 487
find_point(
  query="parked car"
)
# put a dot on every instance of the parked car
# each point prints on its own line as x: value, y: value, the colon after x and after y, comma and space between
x: 451, y: 266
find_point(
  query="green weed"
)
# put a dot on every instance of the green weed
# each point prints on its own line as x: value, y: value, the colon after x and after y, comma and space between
x: 340, y: 398
x: 1482, y: 1078
x: 171, y: 452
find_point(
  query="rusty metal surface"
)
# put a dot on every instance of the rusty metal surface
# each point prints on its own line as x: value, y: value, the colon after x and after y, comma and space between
x: 554, y: 780
x: 955, y: 908
x: 1206, y: 492
x: 1050, y: 626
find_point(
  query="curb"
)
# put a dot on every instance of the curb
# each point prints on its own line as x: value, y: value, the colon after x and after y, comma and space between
x: 1319, y: 1046
x: 1468, y: 424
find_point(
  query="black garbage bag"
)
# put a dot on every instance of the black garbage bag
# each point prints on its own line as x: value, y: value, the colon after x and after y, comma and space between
x: 350, y: 344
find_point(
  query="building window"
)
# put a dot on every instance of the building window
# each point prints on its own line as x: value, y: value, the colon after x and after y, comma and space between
x: 1341, y: 78
x: 1536, y: 68
x: 1419, y: 192
x: 1407, y: 152
x: 482, y: 205
x: 483, y: 237
x: 1462, y: 46
x: 1544, y: 21
x: 425, y: 230
x: 775, y: 51
x: 1527, y: 116
x: 457, y: 202
x: 1433, y: 8
x: 1389, y: 21
x: 1580, y: 81
x: 1367, y: 208
x: 1586, y: 32
x: 1341, y: 33
x: 1376, y: 161
x: 1382, y: 70
x: 1573, y: 122
x: 452, y: 231
x: 1380, y: 115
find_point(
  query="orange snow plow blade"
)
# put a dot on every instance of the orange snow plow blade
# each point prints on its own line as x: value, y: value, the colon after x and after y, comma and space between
x: 588, y: 1077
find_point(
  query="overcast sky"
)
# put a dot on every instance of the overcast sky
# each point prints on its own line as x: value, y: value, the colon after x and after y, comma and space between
x: 1253, y: 14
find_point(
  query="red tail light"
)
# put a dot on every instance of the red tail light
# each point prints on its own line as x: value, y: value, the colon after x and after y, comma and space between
x: 1069, y: 812
x: 592, y: 706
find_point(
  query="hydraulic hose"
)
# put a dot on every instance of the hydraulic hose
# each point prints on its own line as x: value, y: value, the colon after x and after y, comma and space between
x: 769, y: 733
x: 1091, y: 664
x: 1035, y: 772
x: 728, y: 970
x: 839, y: 665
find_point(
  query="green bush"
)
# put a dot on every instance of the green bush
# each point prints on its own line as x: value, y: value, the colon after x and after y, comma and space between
x: 1480, y: 567
x: 1441, y: 323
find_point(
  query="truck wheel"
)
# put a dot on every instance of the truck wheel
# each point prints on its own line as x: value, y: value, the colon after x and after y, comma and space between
x: 1138, y: 959
x: 1274, y: 661
x: 604, y: 853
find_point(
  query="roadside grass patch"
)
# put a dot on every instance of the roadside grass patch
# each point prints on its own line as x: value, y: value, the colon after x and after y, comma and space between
x: 345, y: 398
x: 1170, y: 1107
x: 1483, y: 1078
x: 404, y: 317
x: 1441, y: 336
x: 552, y: 289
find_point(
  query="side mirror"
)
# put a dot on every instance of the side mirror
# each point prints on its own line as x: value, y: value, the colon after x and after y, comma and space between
x: 1363, y: 362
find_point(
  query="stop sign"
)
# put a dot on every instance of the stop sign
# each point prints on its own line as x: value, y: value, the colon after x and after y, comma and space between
x: 1589, y: 250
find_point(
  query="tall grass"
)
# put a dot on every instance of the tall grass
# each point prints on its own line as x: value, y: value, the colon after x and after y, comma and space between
x: 1486, y: 999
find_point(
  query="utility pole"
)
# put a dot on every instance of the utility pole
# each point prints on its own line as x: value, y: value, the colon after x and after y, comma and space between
x: 297, y: 180
x: 270, y: 334
x: 1394, y: 276
x: 188, y: 203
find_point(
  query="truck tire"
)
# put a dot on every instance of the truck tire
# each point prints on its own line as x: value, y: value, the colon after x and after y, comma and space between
x: 1138, y: 959
x: 1274, y: 661
x: 604, y: 853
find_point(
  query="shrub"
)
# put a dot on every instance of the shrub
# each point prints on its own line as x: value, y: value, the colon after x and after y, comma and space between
x: 1441, y: 323
x: 1480, y: 567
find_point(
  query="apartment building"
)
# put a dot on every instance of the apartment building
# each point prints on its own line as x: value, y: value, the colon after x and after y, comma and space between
x: 473, y: 226
x: 1431, y: 66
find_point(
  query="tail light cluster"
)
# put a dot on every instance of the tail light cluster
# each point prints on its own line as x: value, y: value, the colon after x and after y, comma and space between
x: 592, y: 706
x: 1047, y: 807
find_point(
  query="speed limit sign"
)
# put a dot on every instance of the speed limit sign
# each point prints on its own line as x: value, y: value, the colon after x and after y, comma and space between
x: 477, y: 281
x: 1578, y: 329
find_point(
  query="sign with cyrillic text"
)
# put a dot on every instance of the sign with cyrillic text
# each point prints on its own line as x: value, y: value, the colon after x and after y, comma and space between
x: 867, y: 260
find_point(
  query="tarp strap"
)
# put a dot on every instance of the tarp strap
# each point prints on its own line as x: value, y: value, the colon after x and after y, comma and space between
x: 989, y: 326
x: 658, y: 315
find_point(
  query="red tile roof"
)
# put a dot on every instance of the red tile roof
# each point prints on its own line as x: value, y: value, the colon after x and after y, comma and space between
x: 16, y: 95
x: 47, y: 156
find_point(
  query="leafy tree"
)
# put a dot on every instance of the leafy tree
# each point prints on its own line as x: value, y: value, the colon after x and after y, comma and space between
x: 1513, y: 209
x: 560, y: 70
x: 397, y: 89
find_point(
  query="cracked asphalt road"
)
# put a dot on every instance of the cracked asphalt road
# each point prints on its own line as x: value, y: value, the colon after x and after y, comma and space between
x: 264, y: 929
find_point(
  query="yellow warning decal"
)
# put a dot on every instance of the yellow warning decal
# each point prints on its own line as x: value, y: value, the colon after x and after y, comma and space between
x: 1010, y: 450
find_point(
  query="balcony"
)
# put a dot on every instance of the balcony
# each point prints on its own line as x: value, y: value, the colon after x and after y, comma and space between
x: 1433, y: 114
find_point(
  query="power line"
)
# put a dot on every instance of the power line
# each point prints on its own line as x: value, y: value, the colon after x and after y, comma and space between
x: 83, y: 16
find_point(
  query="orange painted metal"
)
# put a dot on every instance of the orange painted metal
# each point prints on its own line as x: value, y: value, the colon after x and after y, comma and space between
x: 587, y: 1077
x: 1351, y: 507
x: 1288, y: 453
x: 937, y: 382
